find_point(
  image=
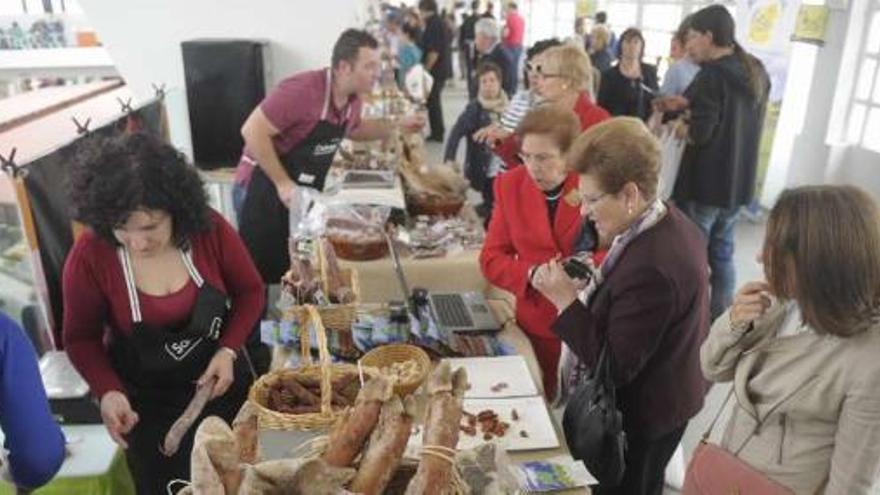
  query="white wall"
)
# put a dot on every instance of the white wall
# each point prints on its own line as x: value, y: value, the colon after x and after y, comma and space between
x: 810, y: 145
x: 144, y: 36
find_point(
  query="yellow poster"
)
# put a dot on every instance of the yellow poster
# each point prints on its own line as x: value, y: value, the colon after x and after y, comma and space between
x: 585, y: 8
x: 765, y: 21
x: 812, y: 20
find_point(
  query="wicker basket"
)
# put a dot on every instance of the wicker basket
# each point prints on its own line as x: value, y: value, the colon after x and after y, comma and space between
x: 335, y: 317
x: 325, y: 370
x: 387, y: 355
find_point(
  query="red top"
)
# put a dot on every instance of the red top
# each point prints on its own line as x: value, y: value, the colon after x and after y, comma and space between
x: 96, y: 300
x: 515, y: 28
x: 588, y: 112
x: 295, y: 106
x: 520, y: 236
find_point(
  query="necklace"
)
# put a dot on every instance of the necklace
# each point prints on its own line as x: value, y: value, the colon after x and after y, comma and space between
x: 553, y: 197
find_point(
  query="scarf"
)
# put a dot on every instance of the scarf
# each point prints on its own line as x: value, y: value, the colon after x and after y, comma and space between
x: 494, y: 106
x: 571, y: 370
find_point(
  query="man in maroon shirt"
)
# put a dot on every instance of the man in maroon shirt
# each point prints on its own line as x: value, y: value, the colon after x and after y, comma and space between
x: 514, y: 30
x: 291, y: 138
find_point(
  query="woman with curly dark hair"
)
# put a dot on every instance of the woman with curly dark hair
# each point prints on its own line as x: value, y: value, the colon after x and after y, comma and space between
x: 174, y: 287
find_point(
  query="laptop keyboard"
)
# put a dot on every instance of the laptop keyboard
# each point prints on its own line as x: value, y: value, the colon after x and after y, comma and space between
x: 452, y: 311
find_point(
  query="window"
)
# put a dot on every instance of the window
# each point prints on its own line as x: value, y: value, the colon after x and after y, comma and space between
x: 863, y: 125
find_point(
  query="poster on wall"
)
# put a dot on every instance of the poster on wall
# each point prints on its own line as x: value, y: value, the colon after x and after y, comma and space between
x: 585, y: 8
x: 765, y: 28
x: 812, y: 22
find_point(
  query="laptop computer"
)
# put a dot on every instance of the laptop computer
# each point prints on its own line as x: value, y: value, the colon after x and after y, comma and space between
x: 462, y: 312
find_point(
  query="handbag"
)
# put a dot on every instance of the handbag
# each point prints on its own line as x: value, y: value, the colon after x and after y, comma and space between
x: 593, y: 425
x: 713, y: 470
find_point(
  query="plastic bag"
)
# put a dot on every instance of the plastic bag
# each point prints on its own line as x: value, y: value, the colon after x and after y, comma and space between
x: 672, y: 149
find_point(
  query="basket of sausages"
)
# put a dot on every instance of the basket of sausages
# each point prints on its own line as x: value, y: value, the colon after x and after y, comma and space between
x: 311, y: 396
x: 333, y: 290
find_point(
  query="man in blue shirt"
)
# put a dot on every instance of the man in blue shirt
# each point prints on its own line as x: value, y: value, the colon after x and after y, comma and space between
x: 683, y: 70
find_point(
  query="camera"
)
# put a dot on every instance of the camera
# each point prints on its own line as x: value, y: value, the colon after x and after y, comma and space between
x: 577, y: 269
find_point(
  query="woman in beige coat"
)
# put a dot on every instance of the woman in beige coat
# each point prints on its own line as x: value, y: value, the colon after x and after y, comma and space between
x: 803, y: 348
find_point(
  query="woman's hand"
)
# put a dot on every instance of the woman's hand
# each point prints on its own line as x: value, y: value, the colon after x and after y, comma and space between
x: 118, y: 416
x: 551, y: 280
x: 749, y: 304
x: 490, y: 134
x: 221, y: 367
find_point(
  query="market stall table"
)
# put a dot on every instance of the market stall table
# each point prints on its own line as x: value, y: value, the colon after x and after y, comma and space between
x: 277, y: 444
x: 94, y: 466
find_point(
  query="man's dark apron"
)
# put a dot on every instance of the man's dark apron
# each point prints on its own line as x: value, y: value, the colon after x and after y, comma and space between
x: 264, y: 219
x: 159, y: 367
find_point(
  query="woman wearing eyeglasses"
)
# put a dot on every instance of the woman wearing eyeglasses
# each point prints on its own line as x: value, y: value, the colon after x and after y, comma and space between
x: 536, y: 218
x: 649, y: 299
x: 563, y: 78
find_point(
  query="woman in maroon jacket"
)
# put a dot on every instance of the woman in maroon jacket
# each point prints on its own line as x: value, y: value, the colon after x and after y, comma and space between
x: 172, y: 284
x: 649, y: 299
x: 536, y: 218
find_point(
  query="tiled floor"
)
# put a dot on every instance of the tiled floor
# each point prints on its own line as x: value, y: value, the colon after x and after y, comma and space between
x: 749, y: 237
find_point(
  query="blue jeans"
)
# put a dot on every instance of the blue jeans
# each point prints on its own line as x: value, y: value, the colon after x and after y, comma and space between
x: 718, y: 226
x: 239, y: 192
x: 514, y: 53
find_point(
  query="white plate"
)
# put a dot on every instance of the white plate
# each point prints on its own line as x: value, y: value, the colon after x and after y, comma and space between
x: 533, y: 419
x: 486, y: 372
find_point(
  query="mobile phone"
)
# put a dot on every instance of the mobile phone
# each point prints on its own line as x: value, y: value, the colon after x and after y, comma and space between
x: 576, y: 268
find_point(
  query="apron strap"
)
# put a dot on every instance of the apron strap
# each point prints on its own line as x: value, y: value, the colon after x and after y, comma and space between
x: 131, y: 287
x: 191, y: 268
x: 327, y: 92
x: 128, y: 273
x: 328, y: 89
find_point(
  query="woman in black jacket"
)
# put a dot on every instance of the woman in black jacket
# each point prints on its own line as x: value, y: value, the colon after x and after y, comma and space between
x: 484, y: 110
x: 628, y: 88
x: 727, y: 101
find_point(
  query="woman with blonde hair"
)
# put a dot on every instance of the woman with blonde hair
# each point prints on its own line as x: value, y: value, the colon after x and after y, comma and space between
x: 648, y: 301
x: 801, y: 347
x: 563, y: 78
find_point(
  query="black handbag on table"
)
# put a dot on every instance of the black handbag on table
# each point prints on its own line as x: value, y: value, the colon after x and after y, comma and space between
x: 593, y: 425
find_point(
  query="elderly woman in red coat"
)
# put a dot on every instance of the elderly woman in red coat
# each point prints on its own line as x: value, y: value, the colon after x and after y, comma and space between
x: 536, y: 218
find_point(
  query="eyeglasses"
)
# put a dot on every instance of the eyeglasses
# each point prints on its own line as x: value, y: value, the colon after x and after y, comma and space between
x: 536, y: 70
x: 537, y: 158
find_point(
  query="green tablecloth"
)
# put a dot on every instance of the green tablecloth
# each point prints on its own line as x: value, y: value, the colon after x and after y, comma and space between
x: 116, y: 481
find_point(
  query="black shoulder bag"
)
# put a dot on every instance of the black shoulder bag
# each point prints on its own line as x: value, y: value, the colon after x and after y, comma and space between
x: 593, y: 425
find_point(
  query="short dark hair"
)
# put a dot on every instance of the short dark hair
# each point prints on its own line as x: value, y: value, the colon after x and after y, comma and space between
x: 601, y: 17
x: 682, y: 31
x: 411, y: 31
x: 541, y: 46
x: 631, y: 33
x: 487, y: 67
x: 349, y: 44
x: 428, y: 5
x: 110, y: 178
x: 512, y: 5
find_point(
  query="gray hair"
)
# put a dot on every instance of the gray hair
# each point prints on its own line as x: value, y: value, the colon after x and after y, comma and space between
x: 487, y: 27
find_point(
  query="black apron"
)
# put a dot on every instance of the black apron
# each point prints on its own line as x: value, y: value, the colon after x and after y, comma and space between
x: 159, y: 367
x: 263, y: 225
